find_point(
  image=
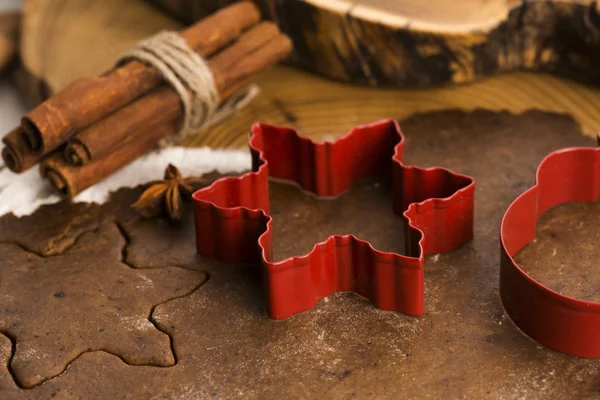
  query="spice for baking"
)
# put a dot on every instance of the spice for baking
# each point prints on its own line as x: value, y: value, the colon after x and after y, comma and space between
x: 98, y: 125
x: 71, y: 179
x: 256, y: 49
x: 164, y: 198
x: 87, y: 100
x: 16, y: 154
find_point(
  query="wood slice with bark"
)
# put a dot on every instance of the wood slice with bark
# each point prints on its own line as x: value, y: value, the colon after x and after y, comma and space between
x: 414, y: 43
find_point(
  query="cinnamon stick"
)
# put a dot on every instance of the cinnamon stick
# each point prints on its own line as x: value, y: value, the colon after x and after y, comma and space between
x: 263, y: 58
x: 71, y: 180
x: 17, y: 156
x: 122, y: 127
x: 256, y: 49
x: 49, y: 125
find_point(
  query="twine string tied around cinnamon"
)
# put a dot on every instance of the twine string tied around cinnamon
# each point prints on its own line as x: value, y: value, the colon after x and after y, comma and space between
x: 190, y: 76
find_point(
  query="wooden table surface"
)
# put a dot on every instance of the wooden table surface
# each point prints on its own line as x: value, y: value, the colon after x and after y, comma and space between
x: 322, y: 109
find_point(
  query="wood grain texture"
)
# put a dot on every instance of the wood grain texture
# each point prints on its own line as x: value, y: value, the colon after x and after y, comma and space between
x: 411, y: 43
x: 63, y: 40
x: 323, y: 109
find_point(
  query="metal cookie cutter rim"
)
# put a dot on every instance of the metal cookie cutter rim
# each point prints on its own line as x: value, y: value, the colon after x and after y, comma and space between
x: 560, y: 322
x: 233, y: 223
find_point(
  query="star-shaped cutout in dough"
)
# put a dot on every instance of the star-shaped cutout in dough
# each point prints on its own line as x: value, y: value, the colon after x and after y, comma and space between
x: 57, y: 308
x: 233, y: 222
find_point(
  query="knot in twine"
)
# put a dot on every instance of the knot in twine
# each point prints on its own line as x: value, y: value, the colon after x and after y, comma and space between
x: 191, y: 77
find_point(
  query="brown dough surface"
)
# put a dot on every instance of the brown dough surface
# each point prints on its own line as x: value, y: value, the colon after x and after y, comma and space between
x: 464, y: 346
x: 169, y: 247
x: 54, y: 235
x: 7, y: 384
x: 59, y: 307
x: 565, y: 255
x: 57, y: 226
x: 312, y: 219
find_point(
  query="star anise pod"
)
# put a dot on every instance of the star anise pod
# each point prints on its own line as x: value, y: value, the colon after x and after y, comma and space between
x: 165, y: 198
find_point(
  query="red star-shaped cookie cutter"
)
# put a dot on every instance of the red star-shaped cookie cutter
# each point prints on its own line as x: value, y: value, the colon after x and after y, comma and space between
x: 559, y: 322
x: 233, y: 223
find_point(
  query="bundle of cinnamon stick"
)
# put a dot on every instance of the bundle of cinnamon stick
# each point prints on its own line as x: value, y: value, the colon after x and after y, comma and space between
x: 96, y: 126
